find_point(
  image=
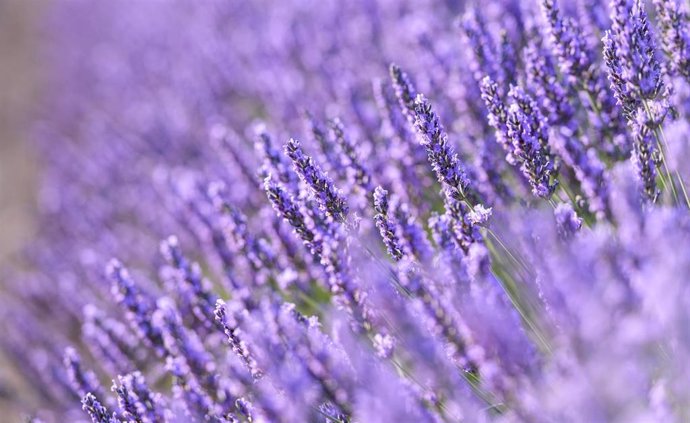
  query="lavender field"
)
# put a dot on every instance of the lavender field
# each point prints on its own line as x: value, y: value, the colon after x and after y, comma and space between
x: 366, y: 211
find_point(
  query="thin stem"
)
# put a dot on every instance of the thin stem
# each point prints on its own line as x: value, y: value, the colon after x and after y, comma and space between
x: 508, y: 251
x: 664, y: 146
x: 661, y: 153
x: 510, y: 287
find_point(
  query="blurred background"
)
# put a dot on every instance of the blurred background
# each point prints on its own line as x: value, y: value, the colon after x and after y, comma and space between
x: 19, y: 92
x: 19, y: 81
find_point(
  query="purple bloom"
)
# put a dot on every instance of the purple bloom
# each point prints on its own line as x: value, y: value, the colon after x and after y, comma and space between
x: 136, y: 400
x: 489, y: 304
x: 675, y: 40
x: 274, y: 161
x: 230, y: 327
x: 405, y: 92
x: 443, y: 159
x: 190, y: 280
x: 577, y: 61
x: 98, y: 413
x: 386, y: 227
x: 566, y: 220
x: 646, y: 161
x: 82, y: 380
x: 446, y: 321
x: 399, y: 230
x: 358, y: 174
x: 528, y: 132
x: 329, y: 198
x: 630, y: 52
x: 484, y: 61
x: 571, y: 48
x: 627, y: 98
x: 257, y: 251
x: 552, y: 96
x: 497, y: 114
x: 182, y: 344
x: 109, y: 339
x: 286, y: 207
x: 139, y: 305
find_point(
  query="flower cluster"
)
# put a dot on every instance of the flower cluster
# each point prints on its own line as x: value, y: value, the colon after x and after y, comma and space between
x: 494, y: 228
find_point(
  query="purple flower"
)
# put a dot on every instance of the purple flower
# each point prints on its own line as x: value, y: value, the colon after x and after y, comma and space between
x: 552, y: 96
x: 358, y: 174
x: 274, y: 161
x: 630, y: 52
x: 98, y: 413
x: 230, y: 327
x: 443, y: 159
x: 577, y: 61
x: 646, y: 161
x: 484, y: 60
x: 489, y: 304
x: 108, y: 339
x: 329, y: 198
x: 139, y: 305
x: 528, y: 133
x: 286, y: 207
x: 135, y: 399
x: 497, y: 114
x: 386, y: 227
x: 675, y: 40
x: 405, y: 92
x: 567, y: 221
x: 82, y: 380
x: 191, y: 281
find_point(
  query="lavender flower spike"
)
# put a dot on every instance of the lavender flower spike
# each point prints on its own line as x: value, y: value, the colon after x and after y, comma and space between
x: 286, y: 207
x: 238, y: 345
x: 630, y: 52
x: 83, y: 381
x: 135, y: 399
x: 404, y: 91
x: 127, y: 401
x: 626, y: 99
x: 98, y: 413
x: 139, y: 306
x: 645, y: 159
x: 358, y: 174
x: 567, y: 221
x: 385, y: 226
x: 329, y: 198
x: 189, y: 276
x: 443, y: 159
x: 497, y: 114
x: 528, y: 132
x: 673, y: 21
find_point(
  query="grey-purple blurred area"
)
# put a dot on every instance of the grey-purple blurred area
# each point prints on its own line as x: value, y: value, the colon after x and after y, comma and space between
x: 20, y: 43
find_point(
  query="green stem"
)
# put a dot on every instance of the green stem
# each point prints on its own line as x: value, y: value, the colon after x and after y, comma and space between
x: 510, y: 287
x: 661, y: 153
x: 664, y: 146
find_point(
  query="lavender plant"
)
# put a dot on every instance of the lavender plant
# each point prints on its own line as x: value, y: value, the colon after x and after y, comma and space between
x: 494, y: 228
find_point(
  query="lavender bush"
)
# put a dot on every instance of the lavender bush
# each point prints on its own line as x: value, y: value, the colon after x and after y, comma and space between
x: 360, y: 211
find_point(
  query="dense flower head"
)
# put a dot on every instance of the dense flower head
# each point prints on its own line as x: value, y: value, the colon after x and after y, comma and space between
x: 328, y: 197
x: 443, y: 159
x: 493, y: 229
x: 136, y: 400
x: 528, y: 133
x: 98, y: 413
x: 630, y: 51
x: 672, y: 16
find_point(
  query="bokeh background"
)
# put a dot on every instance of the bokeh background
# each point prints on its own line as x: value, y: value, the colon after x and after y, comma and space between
x: 19, y: 93
x: 20, y: 44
